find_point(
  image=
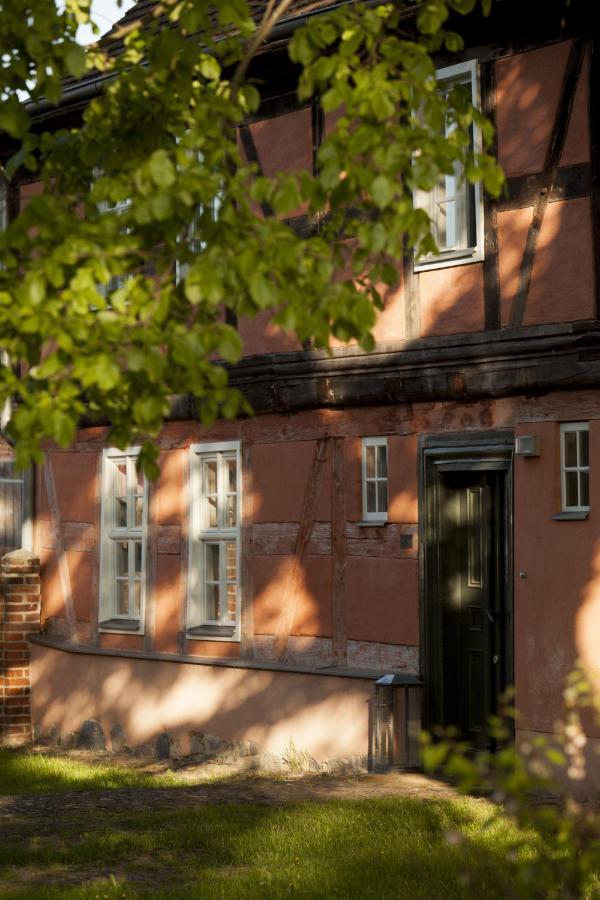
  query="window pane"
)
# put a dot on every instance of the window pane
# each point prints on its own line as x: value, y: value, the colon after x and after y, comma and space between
x: 137, y: 598
x: 231, y: 517
x: 570, y: 438
x: 122, y: 598
x: 371, y: 496
x: 584, y: 448
x: 571, y: 492
x: 212, y: 562
x: 584, y: 487
x: 121, y: 479
x: 139, y: 512
x: 231, y: 602
x: 139, y: 479
x: 231, y: 475
x: 209, y: 480
x: 121, y: 512
x: 122, y: 561
x: 370, y: 461
x: 231, y: 562
x: 211, y: 511
x: 137, y: 552
x: 382, y: 462
x: 382, y: 496
x: 212, y: 601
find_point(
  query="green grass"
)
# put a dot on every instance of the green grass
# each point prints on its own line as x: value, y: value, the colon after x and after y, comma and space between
x: 380, y: 848
x: 34, y: 773
x: 392, y: 848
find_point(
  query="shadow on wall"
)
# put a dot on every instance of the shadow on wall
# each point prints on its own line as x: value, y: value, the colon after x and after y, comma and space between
x: 324, y: 716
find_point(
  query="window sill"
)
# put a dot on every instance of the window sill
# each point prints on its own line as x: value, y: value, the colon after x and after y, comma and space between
x: 372, y: 523
x: 213, y: 632
x: 571, y: 515
x: 127, y: 625
x: 458, y: 258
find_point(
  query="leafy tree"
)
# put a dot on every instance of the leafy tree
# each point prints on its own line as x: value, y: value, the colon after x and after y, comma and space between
x: 159, y: 148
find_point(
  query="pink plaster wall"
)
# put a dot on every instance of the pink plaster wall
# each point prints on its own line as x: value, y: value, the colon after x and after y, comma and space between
x: 557, y: 605
x: 281, y: 472
x: 562, y: 287
x: 527, y: 91
x: 324, y: 716
x: 452, y: 300
x: 382, y: 600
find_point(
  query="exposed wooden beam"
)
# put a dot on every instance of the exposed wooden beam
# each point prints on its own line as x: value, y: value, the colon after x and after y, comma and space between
x: 412, y: 295
x: 338, y: 555
x: 594, y: 119
x: 491, y: 271
x: 553, y: 155
x: 61, y: 556
x: 570, y: 183
x: 252, y: 156
x: 318, y: 132
x: 295, y: 575
x: 246, y: 585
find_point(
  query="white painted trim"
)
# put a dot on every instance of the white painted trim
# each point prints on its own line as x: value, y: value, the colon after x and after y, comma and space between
x: 380, y: 517
x: 198, y: 535
x: 471, y: 254
x: 566, y: 428
x: 108, y: 534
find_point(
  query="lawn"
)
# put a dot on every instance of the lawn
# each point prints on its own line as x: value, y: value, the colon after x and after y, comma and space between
x: 34, y: 773
x: 395, y: 847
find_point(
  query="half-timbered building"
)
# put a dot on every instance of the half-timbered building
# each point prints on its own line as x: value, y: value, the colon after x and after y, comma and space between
x: 429, y: 509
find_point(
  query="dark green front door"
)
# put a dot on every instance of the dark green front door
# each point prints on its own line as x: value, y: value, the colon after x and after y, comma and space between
x: 471, y: 612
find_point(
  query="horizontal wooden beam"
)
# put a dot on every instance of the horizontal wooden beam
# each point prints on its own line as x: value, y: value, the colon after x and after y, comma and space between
x: 571, y: 183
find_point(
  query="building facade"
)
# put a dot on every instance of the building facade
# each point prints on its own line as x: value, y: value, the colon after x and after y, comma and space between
x: 428, y: 509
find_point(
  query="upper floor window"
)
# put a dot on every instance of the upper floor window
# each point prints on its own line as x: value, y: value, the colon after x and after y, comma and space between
x: 374, y: 479
x: 214, y: 594
x: 454, y: 206
x: 116, y: 209
x: 123, y: 542
x: 575, y: 466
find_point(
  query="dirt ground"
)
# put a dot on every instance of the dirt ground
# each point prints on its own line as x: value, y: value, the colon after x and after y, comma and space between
x: 207, y: 788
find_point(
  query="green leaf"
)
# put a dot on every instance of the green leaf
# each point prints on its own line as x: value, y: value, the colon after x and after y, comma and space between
x: 383, y: 191
x: 76, y: 61
x: 162, y: 170
x: 210, y: 68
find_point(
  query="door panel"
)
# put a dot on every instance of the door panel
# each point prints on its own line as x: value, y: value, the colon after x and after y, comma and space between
x: 470, y: 599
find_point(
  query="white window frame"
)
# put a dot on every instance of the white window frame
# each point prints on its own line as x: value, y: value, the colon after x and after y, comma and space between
x: 366, y: 443
x: 566, y: 428
x: 464, y: 73
x: 109, y: 537
x: 105, y: 207
x: 198, y: 626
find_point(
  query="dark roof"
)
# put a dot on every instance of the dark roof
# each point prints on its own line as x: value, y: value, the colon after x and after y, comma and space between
x: 142, y: 11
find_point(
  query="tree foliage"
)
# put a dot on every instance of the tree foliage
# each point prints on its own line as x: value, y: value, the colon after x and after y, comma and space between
x: 161, y: 144
x: 557, y: 854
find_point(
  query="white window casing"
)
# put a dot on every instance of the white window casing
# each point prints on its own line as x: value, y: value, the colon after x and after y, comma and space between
x: 575, y: 466
x: 215, y: 546
x: 455, y: 207
x: 109, y: 208
x: 375, y: 479
x: 123, y: 543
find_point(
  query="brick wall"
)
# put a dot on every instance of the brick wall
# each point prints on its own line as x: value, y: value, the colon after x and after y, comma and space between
x: 19, y: 617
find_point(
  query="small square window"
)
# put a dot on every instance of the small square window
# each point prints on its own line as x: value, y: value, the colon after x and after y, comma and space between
x: 454, y: 206
x: 374, y: 479
x: 575, y: 466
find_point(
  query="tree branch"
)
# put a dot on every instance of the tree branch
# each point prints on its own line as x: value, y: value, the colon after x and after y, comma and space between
x: 269, y: 20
